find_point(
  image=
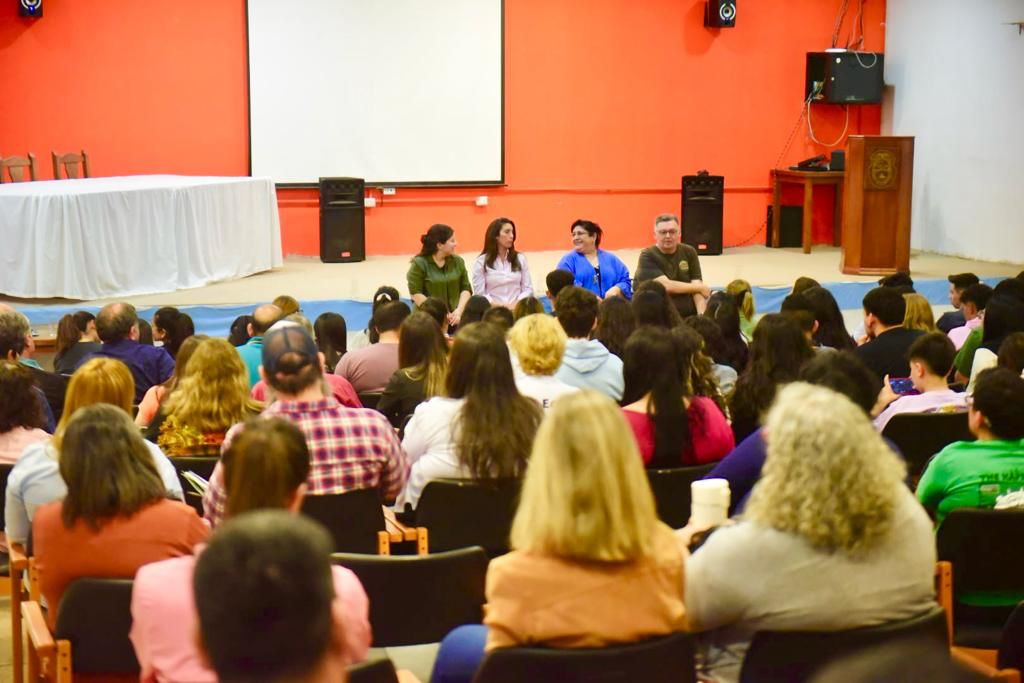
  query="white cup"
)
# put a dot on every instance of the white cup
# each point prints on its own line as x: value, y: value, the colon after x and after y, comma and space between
x: 709, y: 502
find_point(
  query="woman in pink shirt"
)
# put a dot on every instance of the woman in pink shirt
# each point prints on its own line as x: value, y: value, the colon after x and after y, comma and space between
x: 21, y: 415
x: 672, y: 427
x: 500, y: 273
x: 266, y: 466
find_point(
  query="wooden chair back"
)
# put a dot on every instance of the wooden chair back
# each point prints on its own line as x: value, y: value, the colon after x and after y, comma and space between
x: 74, y: 164
x: 18, y: 169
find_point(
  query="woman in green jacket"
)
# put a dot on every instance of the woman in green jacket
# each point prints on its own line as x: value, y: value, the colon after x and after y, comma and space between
x: 437, y: 272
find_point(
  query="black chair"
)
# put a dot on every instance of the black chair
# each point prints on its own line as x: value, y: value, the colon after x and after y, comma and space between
x: 671, y: 488
x: 919, y: 436
x: 1011, y: 643
x: 203, y: 466
x: 985, y: 550
x: 92, y: 627
x: 370, y: 399
x: 660, y: 660
x: 418, y: 599
x: 377, y: 671
x: 459, y: 513
x: 355, y: 519
x: 795, y: 656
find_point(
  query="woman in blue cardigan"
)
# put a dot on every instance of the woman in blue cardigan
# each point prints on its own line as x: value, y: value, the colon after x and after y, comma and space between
x: 594, y: 269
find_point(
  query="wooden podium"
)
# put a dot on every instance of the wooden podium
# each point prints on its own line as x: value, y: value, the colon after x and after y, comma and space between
x: 876, y: 217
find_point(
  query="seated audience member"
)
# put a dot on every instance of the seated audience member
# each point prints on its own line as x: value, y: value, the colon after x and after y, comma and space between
x: 21, y: 415
x: 886, y: 351
x: 154, y: 398
x: 118, y: 326
x: 803, y: 283
x: 797, y: 308
x: 900, y: 282
x: 475, y: 309
x: 211, y: 397
x: 538, y: 342
x: 594, y: 269
x: 743, y: 295
x: 115, y: 517
x: 251, y: 352
x: 931, y: 357
x: 438, y: 310
x: 1011, y: 353
x: 172, y: 327
x: 556, y: 281
x: 656, y: 306
x: 146, y: 333
x: 370, y: 368
x: 350, y: 448
x: 481, y: 428
x: 266, y: 467
x: 919, y: 314
x: 831, y: 332
x: 267, y: 602
x: 500, y: 316
x: 331, y: 334
x: 592, y: 564
x: 675, y: 266
x: 529, y: 306
x: 287, y: 304
x: 586, y: 363
x: 385, y: 294
x: 671, y: 426
x: 17, y: 346
x: 423, y: 363
x: 615, y: 322
x: 956, y: 318
x: 35, y: 478
x: 238, y: 334
x: 332, y: 385
x: 972, y: 305
x: 1004, y: 315
x: 698, y: 370
x: 807, y: 535
x: 976, y: 473
x: 841, y: 372
x: 714, y: 347
x: 77, y: 339
x: 723, y: 311
x: 777, y: 353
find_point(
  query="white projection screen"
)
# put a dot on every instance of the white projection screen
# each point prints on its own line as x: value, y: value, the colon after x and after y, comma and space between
x: 392, y: 91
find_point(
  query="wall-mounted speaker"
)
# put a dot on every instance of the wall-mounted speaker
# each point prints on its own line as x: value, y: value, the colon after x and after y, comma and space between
x: 30, y: 8
x: 342, y: 220
x: 702, y: 212
x: 720, y: 13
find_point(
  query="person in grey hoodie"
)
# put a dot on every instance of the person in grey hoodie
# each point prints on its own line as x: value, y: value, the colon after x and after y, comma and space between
x: 586, y: 364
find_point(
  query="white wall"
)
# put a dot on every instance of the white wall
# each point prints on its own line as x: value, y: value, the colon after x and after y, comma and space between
x: 957, y: 70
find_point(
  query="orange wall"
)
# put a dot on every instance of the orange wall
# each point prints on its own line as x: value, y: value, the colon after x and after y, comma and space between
x: 607, y: 103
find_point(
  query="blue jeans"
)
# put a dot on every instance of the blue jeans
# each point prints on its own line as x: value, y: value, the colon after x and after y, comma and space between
x: 460, y: 654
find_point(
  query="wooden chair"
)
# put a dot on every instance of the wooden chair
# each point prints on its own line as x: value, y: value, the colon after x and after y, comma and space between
x: 671, y: 488
x: 919, y: 436
x: 16, y: 168
x: 203, y: 466
x: 75, y: 164
x: 661, y: 660
x: 357, y: 522
x: 418, y: 599
x: 95, y: 616
x: 459, y: 513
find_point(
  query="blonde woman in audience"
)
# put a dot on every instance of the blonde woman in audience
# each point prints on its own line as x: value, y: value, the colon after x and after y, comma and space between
x: 287, y: 304
x: 592, y: 564
x: 156, y: 394
x: 211, y: 397
x: 481, y: 428
x: 423, y: 364
x: 116, y: 516
x: 36, y: 480
x: 538, y: 342
x: 265, y: 467
x: 919, y: 314
x: 838, y: 539
x: 744, y: 297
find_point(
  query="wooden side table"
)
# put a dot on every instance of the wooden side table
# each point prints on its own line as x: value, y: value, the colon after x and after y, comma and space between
x: 808, y: 179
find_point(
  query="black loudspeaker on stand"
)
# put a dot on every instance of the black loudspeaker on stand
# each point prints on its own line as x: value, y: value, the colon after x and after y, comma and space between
x: 702, y: 212
x: 342, y: 220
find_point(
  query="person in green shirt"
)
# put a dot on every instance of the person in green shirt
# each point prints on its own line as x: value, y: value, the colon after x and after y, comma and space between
x: 437, y: 272
x: 976, y: 473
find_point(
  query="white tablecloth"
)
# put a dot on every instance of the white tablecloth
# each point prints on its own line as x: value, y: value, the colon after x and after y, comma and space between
x: 95, y: 238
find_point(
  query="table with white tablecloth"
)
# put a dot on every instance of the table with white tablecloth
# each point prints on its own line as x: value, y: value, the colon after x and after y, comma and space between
x: 95, y: 238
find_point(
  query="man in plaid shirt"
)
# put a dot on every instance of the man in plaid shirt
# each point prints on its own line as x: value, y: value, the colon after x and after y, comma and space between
x: 349, y: 448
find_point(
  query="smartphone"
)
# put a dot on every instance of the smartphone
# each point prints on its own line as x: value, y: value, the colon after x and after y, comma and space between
x: 902, y: 385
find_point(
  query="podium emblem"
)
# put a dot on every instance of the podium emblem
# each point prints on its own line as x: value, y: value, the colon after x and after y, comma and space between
x: 883, y: 165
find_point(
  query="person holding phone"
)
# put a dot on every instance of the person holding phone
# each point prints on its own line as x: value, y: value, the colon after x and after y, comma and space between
x: 931, y: 357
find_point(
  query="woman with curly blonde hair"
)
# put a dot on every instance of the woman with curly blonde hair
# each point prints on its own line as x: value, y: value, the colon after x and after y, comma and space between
x: 837, y: 539
x: 212, y: 396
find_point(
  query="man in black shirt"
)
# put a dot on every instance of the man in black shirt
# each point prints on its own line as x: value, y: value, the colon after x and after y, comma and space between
x: 886, y: 350
x: 674, y: 265
x: 957, y: 284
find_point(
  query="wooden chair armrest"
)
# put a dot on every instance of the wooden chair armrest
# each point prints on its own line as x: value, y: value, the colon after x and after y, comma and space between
x: 965, y: 661
x: 944, y: 593
x: 18, y: 559
x: 406, y: 676
x: 39, y: 635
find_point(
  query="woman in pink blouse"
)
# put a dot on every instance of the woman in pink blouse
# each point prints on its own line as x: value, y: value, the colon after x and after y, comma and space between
x: 500, y: 272
x: 21, y: 413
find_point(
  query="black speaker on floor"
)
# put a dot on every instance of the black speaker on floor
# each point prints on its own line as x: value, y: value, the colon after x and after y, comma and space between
x: 791, y: 225
x: 342, y: 220
x: 30, y: 8
x: 702, y: 212
x: 720, y: 13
